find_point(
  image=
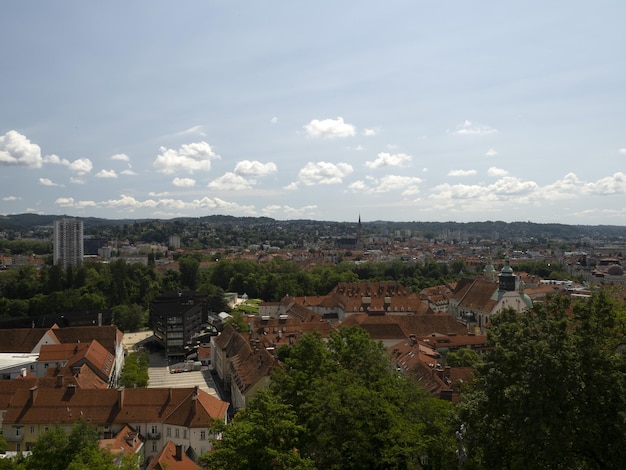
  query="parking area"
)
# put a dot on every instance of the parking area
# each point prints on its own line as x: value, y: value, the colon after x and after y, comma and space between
x: 160, y: 376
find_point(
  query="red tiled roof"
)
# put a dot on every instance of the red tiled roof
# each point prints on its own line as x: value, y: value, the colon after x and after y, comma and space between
x: 65, y: 405
x: 168, y: 459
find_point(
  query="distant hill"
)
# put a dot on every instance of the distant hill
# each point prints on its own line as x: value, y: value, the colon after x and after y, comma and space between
x: 451, y: 230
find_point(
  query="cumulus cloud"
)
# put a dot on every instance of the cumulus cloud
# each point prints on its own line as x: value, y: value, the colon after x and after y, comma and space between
x: 255, y: 168
x: 288, y: 212
x: 127, y: 172
x: 106, y: 174
x: 493, y: 171
x: 622, y: 151
x: 491, y: 153
x: 47, y: 182
x: 75, y: 180
x: 11, y: 198
x: 184, y: 182
x: 80, y: 166
x: 470, y: 128
x: 231, y: 182
x: 406, y: 185
x: 609, y: 185
x: 188, y: 158
x: 384, y: 159
x: 17, y: 150
x: 461, y: 172
x: 329, y: 128
x: 274, y: 120
x: 324, y: 173
x: 122, y: 157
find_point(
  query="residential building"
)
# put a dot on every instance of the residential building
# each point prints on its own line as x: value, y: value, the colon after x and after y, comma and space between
x: 68, y: 242
x: 158, y: 415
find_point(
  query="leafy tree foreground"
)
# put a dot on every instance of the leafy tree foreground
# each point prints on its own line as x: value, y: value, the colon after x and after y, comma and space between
x: 337, y: 405
x: 552, y: 393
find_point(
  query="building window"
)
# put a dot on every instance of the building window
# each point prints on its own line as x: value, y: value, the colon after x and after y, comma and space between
x: 154, y: 446
x: 155, y: 429
x: 46, y: 428
x: 18, y: 447
x: 176, y: 432
x: 169, y: 432
x: 203, y: 435
x: 184, y: 434
x: 32, y: 430
x: 18, y: 432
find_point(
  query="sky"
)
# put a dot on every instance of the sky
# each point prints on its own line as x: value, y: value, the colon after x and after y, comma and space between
x: 397, y: 110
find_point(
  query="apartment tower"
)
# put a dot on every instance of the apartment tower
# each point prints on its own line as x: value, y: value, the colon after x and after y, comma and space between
x: 68, y: 242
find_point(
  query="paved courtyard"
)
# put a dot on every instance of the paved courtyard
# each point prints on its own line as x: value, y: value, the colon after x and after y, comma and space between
x: 160, y: 376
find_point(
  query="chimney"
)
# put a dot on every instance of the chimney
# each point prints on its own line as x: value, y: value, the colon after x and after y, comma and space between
x: 120, y: 398
x: 179, y: 452
x: 71, y: 389
x: 33, y: 394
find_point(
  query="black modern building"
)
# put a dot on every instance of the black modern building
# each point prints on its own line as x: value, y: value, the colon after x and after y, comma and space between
x: 177, y: 318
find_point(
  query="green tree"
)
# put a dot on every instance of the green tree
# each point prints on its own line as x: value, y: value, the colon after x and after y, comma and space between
x: 351, y: 409
x: 553, y: 384
x: 263, y: 436
x: 129, y: 318
x: 464, y: 357
x: 189, y: 271
x: 135, y: 371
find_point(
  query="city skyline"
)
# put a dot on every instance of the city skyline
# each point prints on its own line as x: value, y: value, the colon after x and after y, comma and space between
x: 397, y: 111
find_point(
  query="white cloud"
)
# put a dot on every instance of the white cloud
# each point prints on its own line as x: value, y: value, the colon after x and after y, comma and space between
x: 274, y: 120
x: 65, y: 201
x: 106, y: 174
x: 47, y: 182
x: 128, y: 172
x: 389, y: 159
x: 288, y: 212
x: 231, y: 182
x: 255, y: 168
x: 491, y: 153
x: 461, y: 172
x: 470, y: 128
x: 11, y: 198
x: 406, y: 185
x: 122, y: 157
x: 74, y: 180
x: 609, y: 185
x: 370, y: 132
x: 188, y: 158
x: 129, y: 203
x: 329, y: 128
x: 493, y: 171
x: 195, y: 130
x: 184, y: 182
x: 292, y: 186
x: 80, y: 166
x: 324, y: 173
x: 17, y: 150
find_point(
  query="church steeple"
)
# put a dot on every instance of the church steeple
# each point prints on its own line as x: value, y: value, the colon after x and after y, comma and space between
x: 359, y: 233
x: 506, y: 277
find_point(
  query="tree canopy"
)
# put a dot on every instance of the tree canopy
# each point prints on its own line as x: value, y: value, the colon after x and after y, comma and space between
x: 552, y: 392
x: 338, y: 405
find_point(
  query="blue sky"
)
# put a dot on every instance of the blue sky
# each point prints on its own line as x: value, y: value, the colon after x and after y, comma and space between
x: 397, y: 110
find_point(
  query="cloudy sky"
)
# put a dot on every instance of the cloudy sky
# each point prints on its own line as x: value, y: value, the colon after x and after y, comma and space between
x: 394, y: 110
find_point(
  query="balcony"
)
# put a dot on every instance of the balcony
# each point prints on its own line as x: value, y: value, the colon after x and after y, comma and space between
x: 13, y: 437
x: 154, y: 436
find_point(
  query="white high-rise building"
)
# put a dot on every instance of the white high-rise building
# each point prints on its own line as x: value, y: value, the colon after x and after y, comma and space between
x: 68, y: 242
